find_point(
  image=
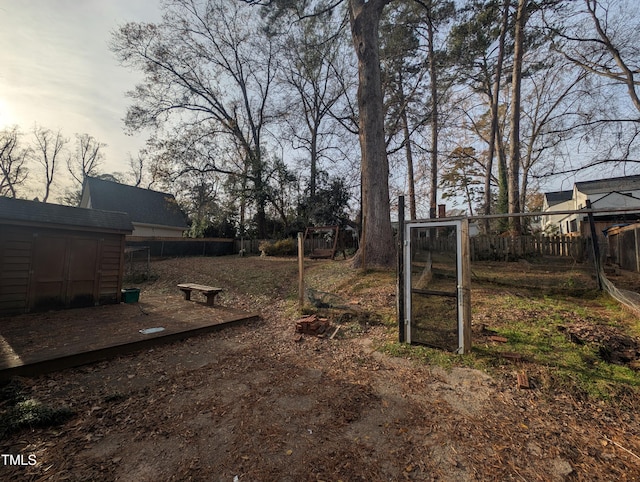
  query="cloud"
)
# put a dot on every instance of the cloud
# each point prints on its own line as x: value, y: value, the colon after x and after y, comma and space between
x: 56, y: 68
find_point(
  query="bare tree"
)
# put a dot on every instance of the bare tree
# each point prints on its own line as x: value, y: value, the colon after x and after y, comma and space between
x: 602, y: 38
x: 49, y: 147
x: 145, y: 170
x: 13, y: 159
x: 551, y: 106
x: 605, y: 44
x: 495, y: 138
x: 514, y: 140
x: 209, y: 70
x: 315, y: 73
x: 85, y: 160
x: 479, y: 43
x: 403, y: 69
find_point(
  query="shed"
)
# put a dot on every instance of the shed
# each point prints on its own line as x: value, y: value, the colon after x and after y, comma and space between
x: 54, y: 256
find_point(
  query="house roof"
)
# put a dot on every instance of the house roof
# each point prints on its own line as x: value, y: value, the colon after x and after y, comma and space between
x: 143, y: 205
x: 609, y: 185
x: 20, y: 211
x: 557, y: 197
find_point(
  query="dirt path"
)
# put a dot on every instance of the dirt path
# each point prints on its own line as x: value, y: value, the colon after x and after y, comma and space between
x: 252, y: 402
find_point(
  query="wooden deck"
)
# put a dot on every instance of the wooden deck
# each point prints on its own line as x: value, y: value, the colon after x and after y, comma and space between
x: 32, y: 344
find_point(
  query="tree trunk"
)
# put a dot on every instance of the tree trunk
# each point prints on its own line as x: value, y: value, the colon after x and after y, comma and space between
x: 413, y: 213
x: 433, y: 74
x: 516, y: 81
x: 495, y: 114
x: 314, y: 162
x: 376, y: 246
x: 261, y: 201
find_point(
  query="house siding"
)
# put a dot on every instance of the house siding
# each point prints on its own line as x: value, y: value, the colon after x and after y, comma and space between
x: 156, y: 231
x: 16, y: 245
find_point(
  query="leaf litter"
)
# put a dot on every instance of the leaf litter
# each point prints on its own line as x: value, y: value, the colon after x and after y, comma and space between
x: 250, y: 403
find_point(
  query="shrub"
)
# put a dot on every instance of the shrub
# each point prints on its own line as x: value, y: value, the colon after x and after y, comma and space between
x: 282, y: 247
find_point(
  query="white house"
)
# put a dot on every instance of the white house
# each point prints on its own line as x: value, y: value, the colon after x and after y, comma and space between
x: 614, y: 193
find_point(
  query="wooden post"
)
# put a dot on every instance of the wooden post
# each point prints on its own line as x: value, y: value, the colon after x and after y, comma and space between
x: 300, y: 272
x: 636, y: 252
x: 465, y: 286
x: 400, y: 288
x: 595, y: 246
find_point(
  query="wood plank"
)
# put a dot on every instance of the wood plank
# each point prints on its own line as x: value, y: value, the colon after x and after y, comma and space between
x: 26, y: 259
x: 523, y: 380
x: 17, y: 274
x: 110, y: 267
x: 12, y: 306
x: 12, y: 298
x: 16, y: 244
x: 198, y: 287
x: 13, y: 289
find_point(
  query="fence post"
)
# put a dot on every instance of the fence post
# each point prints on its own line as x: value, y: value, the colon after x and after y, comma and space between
x: 300, y: 272
x: 400, y: 287
x: 635, y: 231
x: 594, y: 245
x: 465, y: 288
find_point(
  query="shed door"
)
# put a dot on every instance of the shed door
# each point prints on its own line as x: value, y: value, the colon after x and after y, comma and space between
x: 64, y: 272
x: 82, y: 274
x: 48, y: 281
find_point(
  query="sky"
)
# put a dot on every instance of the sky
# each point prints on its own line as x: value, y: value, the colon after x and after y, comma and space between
x: 56, y: 69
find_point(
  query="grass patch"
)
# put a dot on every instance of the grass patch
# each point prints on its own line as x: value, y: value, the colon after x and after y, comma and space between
x: 418, y: 353
x: 18, y: 411
x: 534, y: 324
x: 535, y: 329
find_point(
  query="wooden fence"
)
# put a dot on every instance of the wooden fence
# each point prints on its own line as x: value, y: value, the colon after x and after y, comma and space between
x: 506, y: 248
x: 624, y: 247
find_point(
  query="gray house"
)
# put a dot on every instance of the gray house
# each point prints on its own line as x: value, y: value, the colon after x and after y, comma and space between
x: 152, y: 213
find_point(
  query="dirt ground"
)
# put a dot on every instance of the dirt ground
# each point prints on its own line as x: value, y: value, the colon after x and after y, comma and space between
x: 258, y: 403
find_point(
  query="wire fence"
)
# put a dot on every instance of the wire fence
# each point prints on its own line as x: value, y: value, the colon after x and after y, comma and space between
x: 524, y: 268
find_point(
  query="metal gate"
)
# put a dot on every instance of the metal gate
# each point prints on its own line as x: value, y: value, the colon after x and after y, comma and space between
x: 437, y: 301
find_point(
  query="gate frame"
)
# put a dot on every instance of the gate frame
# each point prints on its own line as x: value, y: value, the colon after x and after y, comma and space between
x: 463, y: 285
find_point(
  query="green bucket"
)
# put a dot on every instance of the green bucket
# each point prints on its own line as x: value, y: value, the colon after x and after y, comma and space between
x: 130, y: 295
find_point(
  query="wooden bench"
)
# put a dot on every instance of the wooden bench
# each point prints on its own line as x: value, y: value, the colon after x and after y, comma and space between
x: 209, y: 291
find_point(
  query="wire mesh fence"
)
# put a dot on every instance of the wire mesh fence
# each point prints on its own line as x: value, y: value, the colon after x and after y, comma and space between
x: 520, y: 268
